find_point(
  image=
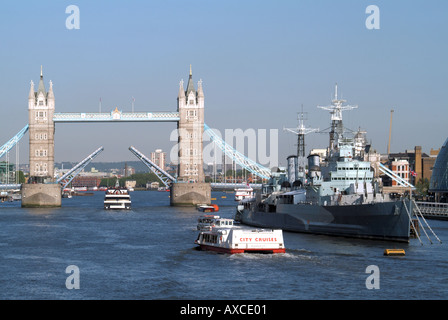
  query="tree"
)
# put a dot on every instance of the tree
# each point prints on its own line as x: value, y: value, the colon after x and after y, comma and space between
x: 140, y: 178
x: 21, y: 176
x: 422, y: 186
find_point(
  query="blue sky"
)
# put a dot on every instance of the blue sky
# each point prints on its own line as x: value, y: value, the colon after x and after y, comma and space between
x: 260, y: 61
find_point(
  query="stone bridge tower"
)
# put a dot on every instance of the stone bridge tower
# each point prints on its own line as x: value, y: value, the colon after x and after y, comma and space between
x: 41, y: 190
x: 190, y: 188
x: 41, y: 130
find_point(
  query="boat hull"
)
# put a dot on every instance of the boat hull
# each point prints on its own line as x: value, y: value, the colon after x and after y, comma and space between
x: 246, y: 250
x: 380, y: 221
x: 117, y: 207
x: 237, y: 240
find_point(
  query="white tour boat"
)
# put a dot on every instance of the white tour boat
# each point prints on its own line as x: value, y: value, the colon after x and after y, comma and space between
x: 244, y: 193
x: 117, y: 198
x: 236, y: 240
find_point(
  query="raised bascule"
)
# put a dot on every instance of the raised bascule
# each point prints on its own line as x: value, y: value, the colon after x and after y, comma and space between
x: 188, y: 188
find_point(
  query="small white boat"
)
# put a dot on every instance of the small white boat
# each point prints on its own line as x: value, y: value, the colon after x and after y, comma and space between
x: 208, y: 208
x: 67, y: 195
x: 236, y: 240
x: 244, y: 193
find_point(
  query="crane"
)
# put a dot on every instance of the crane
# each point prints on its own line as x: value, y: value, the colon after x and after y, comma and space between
x: 390, y: 131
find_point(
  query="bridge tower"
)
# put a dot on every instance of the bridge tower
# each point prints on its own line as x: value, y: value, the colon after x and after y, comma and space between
x: 190, y: 188
x: 41, y: 190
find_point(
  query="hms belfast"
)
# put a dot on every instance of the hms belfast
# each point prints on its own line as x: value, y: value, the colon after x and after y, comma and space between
x: 339, y: 196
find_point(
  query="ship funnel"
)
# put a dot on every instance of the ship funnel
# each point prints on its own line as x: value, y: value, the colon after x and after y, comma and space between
x: 313, y: 165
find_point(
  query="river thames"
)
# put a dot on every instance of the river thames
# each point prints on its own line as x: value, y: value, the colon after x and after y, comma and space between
x: 149, y: 253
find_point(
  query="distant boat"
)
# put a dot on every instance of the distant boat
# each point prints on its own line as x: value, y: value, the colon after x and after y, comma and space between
x: 244, y: 193
x: 209, y: 208
x: 117, y: 198
x: 66, y: 195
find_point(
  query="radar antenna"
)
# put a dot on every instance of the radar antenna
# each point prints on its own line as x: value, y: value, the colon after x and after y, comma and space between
x: 301, y: 131
x: 336, y: 109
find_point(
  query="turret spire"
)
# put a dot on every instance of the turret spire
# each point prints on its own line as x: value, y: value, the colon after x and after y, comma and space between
x: 200, y: 91
x: 181, y: 89
x: 190, y: 85
x: 31, y: 94
x: 50, y: 91
x: 41, y: 86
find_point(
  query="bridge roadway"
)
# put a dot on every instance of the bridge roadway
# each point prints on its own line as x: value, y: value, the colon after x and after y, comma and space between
x: 10, y: 187
x: 116, y: 115
x: 232, y: 186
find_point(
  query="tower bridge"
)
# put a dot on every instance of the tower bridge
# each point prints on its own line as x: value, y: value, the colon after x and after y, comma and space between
x: 43, y: 190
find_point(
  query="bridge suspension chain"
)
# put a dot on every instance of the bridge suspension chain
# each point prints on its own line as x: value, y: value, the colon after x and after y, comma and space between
x: 13, y: 141
x: 395, y: 177
x: 239, y: 158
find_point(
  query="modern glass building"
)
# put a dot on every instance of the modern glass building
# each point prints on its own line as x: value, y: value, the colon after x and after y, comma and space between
x: 6, y: 172
x: 439, y: 178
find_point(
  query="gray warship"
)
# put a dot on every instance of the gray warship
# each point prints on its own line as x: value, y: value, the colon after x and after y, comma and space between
x: 339, y: 195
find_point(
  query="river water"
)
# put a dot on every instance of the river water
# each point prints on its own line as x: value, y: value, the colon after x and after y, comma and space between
x: 149, y: 253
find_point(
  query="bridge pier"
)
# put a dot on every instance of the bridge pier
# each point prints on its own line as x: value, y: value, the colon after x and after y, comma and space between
x: 40, y: 195
x: 190, y: 194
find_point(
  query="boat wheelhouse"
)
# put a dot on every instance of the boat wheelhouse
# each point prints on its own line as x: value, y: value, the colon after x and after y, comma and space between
x: 207, y: 222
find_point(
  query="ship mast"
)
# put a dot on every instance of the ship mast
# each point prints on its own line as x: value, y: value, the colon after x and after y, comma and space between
x: 301, y: 131
x: 336, y: 109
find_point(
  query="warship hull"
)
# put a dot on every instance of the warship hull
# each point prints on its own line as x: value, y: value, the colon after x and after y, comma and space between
x: 380, y: 221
